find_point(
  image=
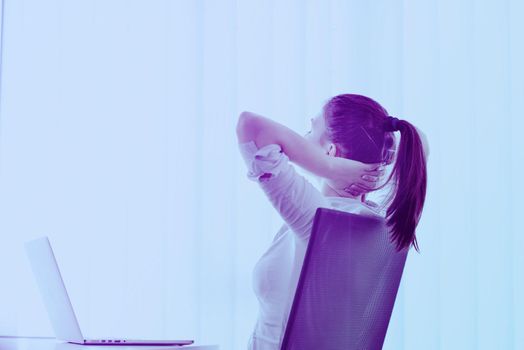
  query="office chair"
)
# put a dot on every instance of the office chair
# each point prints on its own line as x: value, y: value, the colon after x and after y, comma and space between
x: 347, y: 286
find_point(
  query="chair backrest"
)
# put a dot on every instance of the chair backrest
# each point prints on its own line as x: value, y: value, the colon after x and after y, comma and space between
x: 347, y: 286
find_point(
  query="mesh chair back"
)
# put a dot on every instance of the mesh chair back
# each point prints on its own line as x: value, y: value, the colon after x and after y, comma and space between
x: 347, y: 286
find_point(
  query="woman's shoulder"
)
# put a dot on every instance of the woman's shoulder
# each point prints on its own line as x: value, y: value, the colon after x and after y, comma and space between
x: 369, y: 203
x: 373, y: 206
x: 356, y: 206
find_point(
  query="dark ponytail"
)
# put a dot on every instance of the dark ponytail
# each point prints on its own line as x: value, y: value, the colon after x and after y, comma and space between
x: 362, y: 130
x: 409, y: 176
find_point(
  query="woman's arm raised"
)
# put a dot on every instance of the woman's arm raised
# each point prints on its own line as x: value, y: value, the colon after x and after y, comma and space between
x: 264, y: 131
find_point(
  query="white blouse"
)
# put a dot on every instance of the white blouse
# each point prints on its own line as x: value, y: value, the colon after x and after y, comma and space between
x: 276, y: 274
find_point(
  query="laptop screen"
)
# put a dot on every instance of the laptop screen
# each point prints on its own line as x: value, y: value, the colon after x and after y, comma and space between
x: 53, y: 291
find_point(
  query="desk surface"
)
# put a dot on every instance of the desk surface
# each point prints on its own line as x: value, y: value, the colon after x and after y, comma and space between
x: 53, y: 344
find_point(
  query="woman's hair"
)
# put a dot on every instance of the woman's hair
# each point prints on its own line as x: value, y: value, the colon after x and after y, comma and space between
x: 363, y: 131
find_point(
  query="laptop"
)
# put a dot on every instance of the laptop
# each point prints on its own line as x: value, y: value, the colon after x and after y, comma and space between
x: 58, y: 304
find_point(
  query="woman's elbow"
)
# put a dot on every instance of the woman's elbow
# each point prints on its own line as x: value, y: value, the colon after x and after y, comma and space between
x: 246, y: 127
x: 425, y: 144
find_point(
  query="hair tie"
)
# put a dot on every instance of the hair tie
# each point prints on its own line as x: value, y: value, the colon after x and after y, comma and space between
x: 391, y: 124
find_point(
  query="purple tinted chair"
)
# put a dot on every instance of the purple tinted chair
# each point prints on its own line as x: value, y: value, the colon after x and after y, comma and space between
x: 347, y: 286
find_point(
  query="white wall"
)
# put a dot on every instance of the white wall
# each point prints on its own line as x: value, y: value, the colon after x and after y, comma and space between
x: 117, y: 141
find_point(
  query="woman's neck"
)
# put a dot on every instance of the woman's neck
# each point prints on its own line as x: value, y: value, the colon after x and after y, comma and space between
x: 329, y: 191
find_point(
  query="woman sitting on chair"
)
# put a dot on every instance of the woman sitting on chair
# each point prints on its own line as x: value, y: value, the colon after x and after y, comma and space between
x: 349, y: 145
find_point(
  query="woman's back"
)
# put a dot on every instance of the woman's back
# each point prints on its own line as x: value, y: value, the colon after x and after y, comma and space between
x: 275, y: 277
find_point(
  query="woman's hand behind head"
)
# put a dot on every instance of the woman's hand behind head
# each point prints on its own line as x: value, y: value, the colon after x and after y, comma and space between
x: 355, y: 177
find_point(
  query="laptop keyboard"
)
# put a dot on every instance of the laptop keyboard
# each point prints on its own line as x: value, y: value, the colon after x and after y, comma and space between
x: 105, y: 341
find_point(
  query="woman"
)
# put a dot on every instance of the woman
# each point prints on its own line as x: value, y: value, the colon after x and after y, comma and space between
x: 348, y: 146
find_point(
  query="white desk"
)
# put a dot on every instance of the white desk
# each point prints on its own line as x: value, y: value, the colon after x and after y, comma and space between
x: 53, y: 344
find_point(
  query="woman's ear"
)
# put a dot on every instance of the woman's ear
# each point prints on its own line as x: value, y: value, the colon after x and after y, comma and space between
x: 332, y: 150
